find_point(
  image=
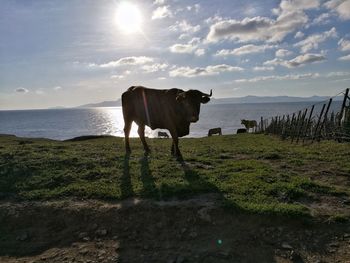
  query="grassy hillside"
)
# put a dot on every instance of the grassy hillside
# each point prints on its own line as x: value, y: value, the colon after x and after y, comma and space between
x: 256, y: 173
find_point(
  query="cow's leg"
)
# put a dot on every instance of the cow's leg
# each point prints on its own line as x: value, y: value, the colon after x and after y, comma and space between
x: 141, y: 132
x: 172, y: 148
x: 175, y: 147
x: 127, y: 128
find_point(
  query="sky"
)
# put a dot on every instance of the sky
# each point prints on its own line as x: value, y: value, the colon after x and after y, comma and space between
x: 69, y: 53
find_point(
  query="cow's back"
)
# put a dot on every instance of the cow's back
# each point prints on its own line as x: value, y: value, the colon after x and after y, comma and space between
x: 152, y: 107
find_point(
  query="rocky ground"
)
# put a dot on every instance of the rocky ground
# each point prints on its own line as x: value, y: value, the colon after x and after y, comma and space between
x: 195, y: 230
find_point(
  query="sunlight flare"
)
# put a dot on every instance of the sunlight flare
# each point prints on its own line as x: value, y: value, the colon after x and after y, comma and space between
x: 129, y: 18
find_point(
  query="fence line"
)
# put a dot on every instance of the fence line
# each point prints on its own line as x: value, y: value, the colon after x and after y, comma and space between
x: 309, y: 125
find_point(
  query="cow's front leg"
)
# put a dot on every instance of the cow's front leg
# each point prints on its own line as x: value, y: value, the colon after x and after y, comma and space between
x: 175, y: 147
x: 141, y: 132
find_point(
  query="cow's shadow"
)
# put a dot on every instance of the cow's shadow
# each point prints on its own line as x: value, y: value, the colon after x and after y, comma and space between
x: 147, y: 180
x: 148, y: 183
x: 197, y: 184
x: 125, y: 182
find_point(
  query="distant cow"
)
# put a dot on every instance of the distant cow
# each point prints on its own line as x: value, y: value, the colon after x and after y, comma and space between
x: 171, y: 109
x: 241, y: 130
x: 162, y: 135
x: 249, y: 124
x: 214, y: 131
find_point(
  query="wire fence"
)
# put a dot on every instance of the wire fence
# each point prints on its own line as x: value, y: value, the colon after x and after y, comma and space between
x: 322, y: 120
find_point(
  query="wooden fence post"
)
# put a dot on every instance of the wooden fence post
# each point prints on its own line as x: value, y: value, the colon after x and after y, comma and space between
x: 324, y: 118
x: 301, y: 125
x: 346, y: 95
x: 308, y: 123
x: 318, y: 122
x: 296, y: 125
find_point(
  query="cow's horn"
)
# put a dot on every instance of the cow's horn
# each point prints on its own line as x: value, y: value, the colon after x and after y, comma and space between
x: 208, y: 95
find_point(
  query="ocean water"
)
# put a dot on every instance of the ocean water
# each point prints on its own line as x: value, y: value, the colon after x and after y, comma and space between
x: 62, y: 124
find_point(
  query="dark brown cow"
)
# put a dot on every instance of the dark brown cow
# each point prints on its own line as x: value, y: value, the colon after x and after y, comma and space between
x: 214, y: 131
x: 171, y: 109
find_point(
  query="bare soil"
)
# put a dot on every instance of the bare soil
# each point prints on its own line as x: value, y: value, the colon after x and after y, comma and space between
x: 195, y: 230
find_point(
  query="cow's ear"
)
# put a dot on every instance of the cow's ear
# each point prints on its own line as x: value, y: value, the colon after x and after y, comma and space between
x: 205, y: 99
x: 181, y: 96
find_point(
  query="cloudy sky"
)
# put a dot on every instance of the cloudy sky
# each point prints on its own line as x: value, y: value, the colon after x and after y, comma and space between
x: 68, y: 53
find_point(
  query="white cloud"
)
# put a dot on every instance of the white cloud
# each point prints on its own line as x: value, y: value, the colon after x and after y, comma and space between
x: 322, y: 19
x: 155, y: 67
x: 194, y: 41
x: 283, y: 77
x: 293, y: 77
x: 297, y: 61
x: 124, y: 61
x: 344, y: 44
x: 290, y: 17
x: 247, y: 49
x: 189, y: 48
x: 39, y: 92
x: 283, y: 53
x: 162, y: 12
x: 345, y: 58
x: 184, y: 26
x: 159, y: 2
x: 194, y: 8
x: 299, y: 34
x: 338, y: 74
x: 312, y: 41
x: 200, y: 52
x: 213, y: 19
x: 297, y: 5
x: 263, y: 68
x: 198, y: 71
x: 342, y: 7
x: 57, y: 88
x: 117, y: 76
x: 182, y: 48
x: 21, y: 90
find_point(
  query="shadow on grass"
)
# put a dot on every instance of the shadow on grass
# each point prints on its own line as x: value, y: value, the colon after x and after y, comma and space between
x: 125, y: 184
x: 149, y: 186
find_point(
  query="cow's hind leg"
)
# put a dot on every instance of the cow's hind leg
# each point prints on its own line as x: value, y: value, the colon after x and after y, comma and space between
x: 127, y: 128
x: 141, y: 132
x: 172, y: 148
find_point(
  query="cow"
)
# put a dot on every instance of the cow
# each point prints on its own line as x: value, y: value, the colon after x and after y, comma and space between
x: 162, y: 135
x: 171, y: 109
x: 241, y: 130
x: 249, y: 124
x: 214, y: 131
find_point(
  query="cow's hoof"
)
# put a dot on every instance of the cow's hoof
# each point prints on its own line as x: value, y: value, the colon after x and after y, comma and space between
x: 147, y: 152
x: 179, y: 158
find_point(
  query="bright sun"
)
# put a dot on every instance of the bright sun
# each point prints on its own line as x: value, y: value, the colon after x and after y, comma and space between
x: 129, y: 18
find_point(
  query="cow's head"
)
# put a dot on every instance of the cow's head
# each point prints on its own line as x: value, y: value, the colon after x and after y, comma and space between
x: 191, y: 101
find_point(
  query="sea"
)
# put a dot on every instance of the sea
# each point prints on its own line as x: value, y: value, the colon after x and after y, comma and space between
x: 63, y: 124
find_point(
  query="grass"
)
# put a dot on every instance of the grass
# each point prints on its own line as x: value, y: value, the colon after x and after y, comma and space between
x: 255, y: 173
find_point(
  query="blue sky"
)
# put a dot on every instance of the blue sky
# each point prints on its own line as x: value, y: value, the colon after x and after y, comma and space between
x: 68, y: 53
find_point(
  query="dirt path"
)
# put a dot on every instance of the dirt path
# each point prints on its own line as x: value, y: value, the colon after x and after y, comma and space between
x: 195, y: 230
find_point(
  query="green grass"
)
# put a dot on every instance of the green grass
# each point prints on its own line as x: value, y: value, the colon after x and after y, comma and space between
x: 255, y: 173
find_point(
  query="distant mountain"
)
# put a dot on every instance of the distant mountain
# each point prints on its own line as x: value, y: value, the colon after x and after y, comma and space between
x: 111, y: 103
x: 57, y: 108
x: 237, y: 100
x: 256, y: 99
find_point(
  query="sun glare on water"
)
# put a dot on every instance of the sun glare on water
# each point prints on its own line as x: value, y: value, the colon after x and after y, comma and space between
x: 129, y: 18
